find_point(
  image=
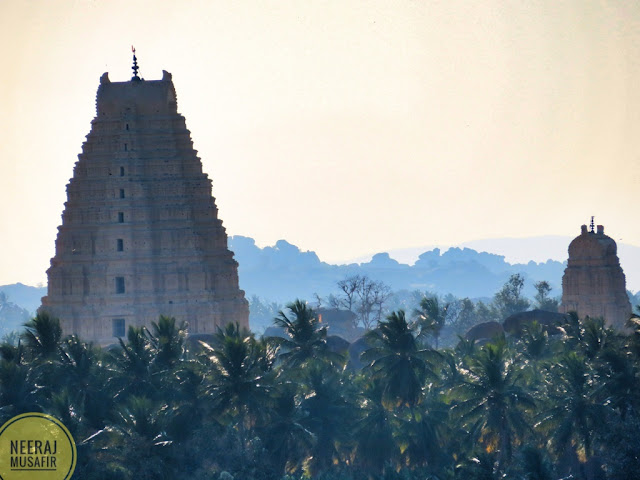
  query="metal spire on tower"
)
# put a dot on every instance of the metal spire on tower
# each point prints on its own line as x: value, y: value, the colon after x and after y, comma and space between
x: 135, y: 65
x: 593, y: 226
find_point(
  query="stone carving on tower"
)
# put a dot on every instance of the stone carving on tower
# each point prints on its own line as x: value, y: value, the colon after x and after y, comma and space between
x: 594, y: 284
x: 140, y: 234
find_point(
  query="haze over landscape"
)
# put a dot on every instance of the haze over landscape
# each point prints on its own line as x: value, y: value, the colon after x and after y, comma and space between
x: 403, y: 185
x: 345, y: 128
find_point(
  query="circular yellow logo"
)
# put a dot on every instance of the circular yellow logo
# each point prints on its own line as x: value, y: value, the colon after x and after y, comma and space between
x: 35, y: 446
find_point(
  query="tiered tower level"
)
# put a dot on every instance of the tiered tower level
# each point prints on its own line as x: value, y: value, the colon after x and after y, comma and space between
x: 594, y: 283
x: 140, y: 234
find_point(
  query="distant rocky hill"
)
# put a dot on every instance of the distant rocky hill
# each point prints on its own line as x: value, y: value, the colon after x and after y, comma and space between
x: 538, y: 249
x: 12, y: 316
x: 282, y: 273
x: 24, y: 295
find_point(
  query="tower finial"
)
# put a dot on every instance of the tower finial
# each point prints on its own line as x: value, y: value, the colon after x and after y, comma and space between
x: 135, y: 65
x: 592, y: 226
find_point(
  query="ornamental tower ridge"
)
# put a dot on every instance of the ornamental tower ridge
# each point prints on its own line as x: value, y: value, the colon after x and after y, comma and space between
x: 140, y: 234
x: 594, y: 283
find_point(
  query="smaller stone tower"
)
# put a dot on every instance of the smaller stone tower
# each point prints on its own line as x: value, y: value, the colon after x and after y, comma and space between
x: 594, y: 283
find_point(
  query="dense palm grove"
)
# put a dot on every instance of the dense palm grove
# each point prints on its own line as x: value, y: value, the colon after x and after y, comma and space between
x: 541, y: 406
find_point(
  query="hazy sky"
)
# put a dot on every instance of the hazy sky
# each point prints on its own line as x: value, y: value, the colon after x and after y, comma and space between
x: 345, y: 127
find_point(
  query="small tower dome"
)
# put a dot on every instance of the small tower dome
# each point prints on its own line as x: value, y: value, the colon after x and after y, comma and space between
x: 593, y: 283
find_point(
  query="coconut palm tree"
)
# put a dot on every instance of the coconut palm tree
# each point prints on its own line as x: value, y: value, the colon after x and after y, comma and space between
x: 431, y: 317
x: 184, y: 387
x: 573, y: 411
x: 492, y: 400
x: 397, y: 361
x: 619, y: 374
x: 533, y: 464
x: 535, y: 341
x: 422, y: 434
x: 634, y: 324
x: 483, y: 466
x: 373, y: 430
x: 141, y: 428
x: 330, y: 413
x: 19, y: 390
x: 132, y: 365
x: 78, y: 362
x: 285, y: 437
x: 595, y: 336
x: 534, y: 344
x: 81, y: 377
x: 239, y: 387
x: 12, y: 351
x: 306, y: 338
x: 42, y: 336
x: 168, y: 341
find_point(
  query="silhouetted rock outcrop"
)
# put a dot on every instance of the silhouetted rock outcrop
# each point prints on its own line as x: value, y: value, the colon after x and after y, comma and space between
x: 282, y: 272
x: 549, y: 320
x: 485, y: 331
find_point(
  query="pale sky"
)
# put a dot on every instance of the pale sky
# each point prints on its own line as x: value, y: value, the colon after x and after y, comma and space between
x: 344, y: 127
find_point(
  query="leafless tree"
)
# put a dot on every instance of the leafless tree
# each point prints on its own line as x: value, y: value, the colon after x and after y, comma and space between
x: 319, y: 300
x: 349, y: 286
x: 364, y: 297
x: 334, y: 302
x: 380, y: 294
x: 365, y: 305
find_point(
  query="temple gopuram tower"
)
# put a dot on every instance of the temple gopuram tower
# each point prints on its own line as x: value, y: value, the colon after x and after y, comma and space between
x: 594, y: 283
x: 140, y: 234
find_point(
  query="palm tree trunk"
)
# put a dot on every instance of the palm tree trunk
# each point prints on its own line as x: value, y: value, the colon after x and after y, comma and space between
x: 505, y: 443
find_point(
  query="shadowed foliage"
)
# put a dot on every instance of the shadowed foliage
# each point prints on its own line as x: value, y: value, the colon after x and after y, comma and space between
x: 398, y: 362
x: 529, y: 407
x: 41, y: 336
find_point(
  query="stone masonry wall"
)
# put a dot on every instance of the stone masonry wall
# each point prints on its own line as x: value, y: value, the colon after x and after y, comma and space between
x: 140, y: 234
